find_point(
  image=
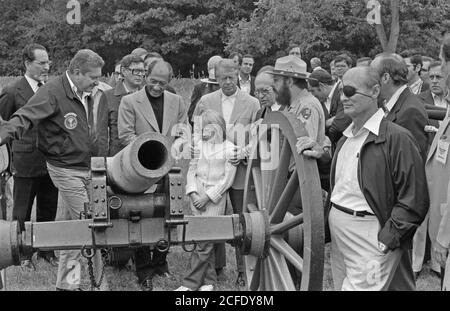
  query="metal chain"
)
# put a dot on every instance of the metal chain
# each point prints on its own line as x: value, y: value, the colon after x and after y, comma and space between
x: 94, y: 284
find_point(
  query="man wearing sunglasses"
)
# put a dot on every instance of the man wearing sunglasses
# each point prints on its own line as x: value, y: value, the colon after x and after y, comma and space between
x: 378, y: 191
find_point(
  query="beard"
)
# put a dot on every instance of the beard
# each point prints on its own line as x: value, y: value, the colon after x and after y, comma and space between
x: 284, y: 96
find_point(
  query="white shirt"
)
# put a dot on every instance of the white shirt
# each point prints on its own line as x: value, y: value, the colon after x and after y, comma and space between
x: 275, y: 107
x: 227, y: 106
x: 83, y: 98
x: 33, y: 83
x: 416, y: 87
x: 438, y: 101
x: 328, y: 101
x: 318, y: 67
x: 347, y: 192
x: 390, y: 104
x: 245, y: 85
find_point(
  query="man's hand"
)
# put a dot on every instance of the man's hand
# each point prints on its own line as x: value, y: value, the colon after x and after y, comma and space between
x: 440, y: 253
x: 237, y: 157
x: 201, y: 201
x: 309, y: 147
x: 329, y: 122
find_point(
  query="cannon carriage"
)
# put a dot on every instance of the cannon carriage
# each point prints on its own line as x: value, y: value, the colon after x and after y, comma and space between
x: 280, y: 233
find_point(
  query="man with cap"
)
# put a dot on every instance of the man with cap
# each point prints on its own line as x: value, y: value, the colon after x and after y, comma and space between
x: 326, y: 90
x: 207, y: 85
x: 290, y: 78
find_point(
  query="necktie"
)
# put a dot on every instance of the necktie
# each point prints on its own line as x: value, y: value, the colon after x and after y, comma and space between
x: 90, y: 105
x: 385, y: 109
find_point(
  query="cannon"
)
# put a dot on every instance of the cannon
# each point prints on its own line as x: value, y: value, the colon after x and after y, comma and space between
x: 281, y: 232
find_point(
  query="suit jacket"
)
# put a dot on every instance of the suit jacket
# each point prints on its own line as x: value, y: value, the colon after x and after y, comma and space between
x: 252, y: 85
x: 238, y: 131
x: 438, y: 182
x: 136, y: 116
x: 27, y: 160
x: 427, y: 99
x: 197, y: 93
x: 340, y: 122
x: 410, y: 113
x: 111, y: 99
x: 264, y: 110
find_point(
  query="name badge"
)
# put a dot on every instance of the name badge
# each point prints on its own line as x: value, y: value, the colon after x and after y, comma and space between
x: 442, y: 151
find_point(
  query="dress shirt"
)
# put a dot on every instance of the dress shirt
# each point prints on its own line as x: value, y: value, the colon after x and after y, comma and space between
x: 347, y: 192
x: 328, y: 101
x: 416, y: 86
x: 245, y: 85
x: 390, y: 104
x: 83, y: 97
x: 227, y: 106
x: 275, y: 107
x: 439, y: 101
x: 33, y: 83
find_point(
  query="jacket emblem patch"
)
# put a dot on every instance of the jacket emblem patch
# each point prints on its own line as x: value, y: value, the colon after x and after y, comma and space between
x: 70, y: 121
x: 306, y: 113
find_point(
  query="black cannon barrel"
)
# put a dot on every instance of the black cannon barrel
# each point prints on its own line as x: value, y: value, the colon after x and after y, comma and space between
x: 141, y: 164
x: 149, y: 205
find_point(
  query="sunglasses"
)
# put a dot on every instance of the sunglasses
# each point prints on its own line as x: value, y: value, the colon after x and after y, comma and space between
x: 350, y: 91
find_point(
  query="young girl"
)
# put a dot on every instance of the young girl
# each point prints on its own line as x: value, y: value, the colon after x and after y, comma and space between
x: 209, y: 176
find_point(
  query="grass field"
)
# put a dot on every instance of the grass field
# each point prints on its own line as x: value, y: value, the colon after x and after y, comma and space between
x: 44, y: 278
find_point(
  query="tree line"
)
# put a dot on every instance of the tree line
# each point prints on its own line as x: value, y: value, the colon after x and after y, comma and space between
x: 188, y: 32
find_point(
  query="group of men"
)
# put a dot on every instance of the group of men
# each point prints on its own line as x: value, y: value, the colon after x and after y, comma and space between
x: 369, y: 132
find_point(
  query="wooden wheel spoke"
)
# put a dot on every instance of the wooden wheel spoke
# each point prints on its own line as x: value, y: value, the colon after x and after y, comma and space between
x: 277, y: 269
x: 286, y: 250
x: 282, y: 205
x: 257, y: 181
x: 256, y: 277
x: 252, y: 207
x: 280, y: 180
x: 287, y: 224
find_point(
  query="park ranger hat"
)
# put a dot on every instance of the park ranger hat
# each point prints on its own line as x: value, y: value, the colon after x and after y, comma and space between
x: 290, y: 66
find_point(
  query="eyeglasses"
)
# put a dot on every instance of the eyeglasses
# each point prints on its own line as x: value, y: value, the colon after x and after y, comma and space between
x: 263, y: 91
x: 160, y: 83
x: 43, y: 63
x: 350, y: 91
x: 138, y: 72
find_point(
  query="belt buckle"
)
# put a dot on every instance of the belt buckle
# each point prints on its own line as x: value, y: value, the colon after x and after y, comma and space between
x: 355, y: 213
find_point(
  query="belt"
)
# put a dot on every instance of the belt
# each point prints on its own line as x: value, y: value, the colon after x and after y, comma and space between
x: 352, y: 212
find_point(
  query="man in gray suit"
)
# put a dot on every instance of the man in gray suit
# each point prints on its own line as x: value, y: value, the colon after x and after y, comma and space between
x: 152, y: 109
x: 239, y: 111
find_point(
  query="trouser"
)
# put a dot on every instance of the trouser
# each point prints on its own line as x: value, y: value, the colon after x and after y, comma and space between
x: 26, y: 189
x: 220, y: 255
x: 445, y: 277
x: 73, y: 186
x: 202, y: 267
x: 237, y: 198
x: 421, y: 250
x: 356, y: 262
x: 149, y: 262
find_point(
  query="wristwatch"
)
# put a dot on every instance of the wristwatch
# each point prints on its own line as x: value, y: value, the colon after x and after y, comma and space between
x: 383, y: 248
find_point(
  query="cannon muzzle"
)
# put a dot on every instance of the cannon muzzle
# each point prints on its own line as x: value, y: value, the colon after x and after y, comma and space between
x: 9, y: 243
x: 140, y: 165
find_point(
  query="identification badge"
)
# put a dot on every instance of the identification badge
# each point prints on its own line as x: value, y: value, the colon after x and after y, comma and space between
x: 442, y: 151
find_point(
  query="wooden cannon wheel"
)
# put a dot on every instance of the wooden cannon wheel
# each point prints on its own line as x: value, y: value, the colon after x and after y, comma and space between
x: 284, y: 243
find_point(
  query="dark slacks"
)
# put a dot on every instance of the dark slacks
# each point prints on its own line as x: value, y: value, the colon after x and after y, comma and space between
x: 202, y: 267
x: 26, y: 189
x: 237, y: 198
x: 149, y: 262
x: 404, y: 279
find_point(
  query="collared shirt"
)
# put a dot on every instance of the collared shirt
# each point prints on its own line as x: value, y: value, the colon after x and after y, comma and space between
x: 439, y: 101
x: 275, y: 107
x: 245, y: 85
x: 33, y: 83
x: 347, y: 192
x: 157, y: 104
x: 390, y: 104
x: 416, y: 87
x: 83, y: 97
x: 328, y: 101
x: 227, y: 106
x: 308, y: 109
x: 318, y: 67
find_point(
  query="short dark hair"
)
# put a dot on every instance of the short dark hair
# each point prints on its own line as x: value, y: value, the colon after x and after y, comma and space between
x: 28, y: 51
x: 248, y: 56
x: 394, y: 65
x: 363, y: 59
x: 416, y: 60
x: 129, y: 59
x: 343, y: 58
x: 434, y: 64
x: 152, y: 54
x: 239, y: 55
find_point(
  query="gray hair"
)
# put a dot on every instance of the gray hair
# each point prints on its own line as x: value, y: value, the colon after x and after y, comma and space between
x: 226, y: 64
x: 84, y: 60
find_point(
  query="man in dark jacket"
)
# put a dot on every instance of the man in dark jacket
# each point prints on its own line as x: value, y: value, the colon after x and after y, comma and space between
x: 379, y: 192
x: 31, y: 179
x: 62, y: 110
